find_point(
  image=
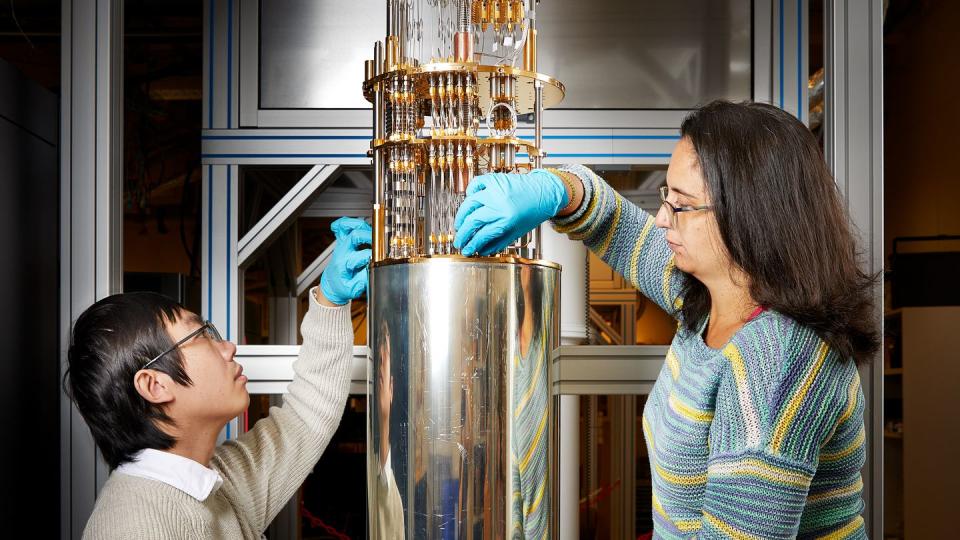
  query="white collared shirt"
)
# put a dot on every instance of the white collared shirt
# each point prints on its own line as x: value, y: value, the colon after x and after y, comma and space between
x: 182, y: 473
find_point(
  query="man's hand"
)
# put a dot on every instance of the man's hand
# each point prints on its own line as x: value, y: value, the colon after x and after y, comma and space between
x: 345, y: 277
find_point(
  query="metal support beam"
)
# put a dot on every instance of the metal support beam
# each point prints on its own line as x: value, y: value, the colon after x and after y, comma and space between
x: 341, y: 201
x: 91, y: 212
x: 221, y: 277
x: 270, y: 368
x: 602, y: 370
x: 572, y: 257
x: 283, y: 213
x: 853, y: 124
x: 788, y: 78
x: 312, y: 273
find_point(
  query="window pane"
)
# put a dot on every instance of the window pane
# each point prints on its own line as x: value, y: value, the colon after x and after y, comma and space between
x: 312, y: 53
x: 619, y: 314
x: 646, y: 54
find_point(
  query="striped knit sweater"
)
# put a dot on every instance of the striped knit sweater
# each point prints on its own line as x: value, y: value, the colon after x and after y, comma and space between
x: 763, y: 438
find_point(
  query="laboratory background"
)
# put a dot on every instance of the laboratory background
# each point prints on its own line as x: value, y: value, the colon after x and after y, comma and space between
x: 202, y: 148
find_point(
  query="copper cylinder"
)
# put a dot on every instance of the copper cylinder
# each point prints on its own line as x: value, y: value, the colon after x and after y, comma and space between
x: 368, y: 70
x: 463, y: 46
x: 393, y: 52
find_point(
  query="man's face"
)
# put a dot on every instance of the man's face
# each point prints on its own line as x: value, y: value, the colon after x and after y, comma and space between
x: 219, y: 390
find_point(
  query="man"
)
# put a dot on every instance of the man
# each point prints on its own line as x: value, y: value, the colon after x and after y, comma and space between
x: 156, y: 384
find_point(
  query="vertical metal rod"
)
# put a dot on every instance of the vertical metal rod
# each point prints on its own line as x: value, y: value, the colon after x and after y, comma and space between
x: 378, y: 135
x: 535, y: 234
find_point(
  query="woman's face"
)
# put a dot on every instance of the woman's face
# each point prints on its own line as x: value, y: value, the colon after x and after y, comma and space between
x: 695, y: 240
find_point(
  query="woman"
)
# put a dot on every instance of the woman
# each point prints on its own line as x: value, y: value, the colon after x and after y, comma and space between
x: 755, y: 424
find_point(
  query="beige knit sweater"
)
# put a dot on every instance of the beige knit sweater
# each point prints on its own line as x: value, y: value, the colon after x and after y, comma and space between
x: 261, y: 469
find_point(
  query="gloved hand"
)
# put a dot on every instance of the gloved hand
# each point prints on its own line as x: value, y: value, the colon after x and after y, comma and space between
x: 345, y: 277
x: 500, y: 208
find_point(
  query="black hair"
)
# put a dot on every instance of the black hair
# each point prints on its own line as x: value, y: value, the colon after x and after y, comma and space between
x: 783, y: 222
x: 111, y: 341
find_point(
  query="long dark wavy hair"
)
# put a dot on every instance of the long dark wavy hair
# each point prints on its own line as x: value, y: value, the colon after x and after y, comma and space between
x: 783, y: 223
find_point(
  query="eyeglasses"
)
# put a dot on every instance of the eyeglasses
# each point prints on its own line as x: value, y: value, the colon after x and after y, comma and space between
x: 675, y: 210
x: 208, y: 329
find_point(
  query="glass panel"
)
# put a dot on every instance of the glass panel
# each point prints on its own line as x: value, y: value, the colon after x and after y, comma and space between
x: 621, y: 54
x: 615, y: 486
x: 619, y: 314
x: 331, y: 503
x: 312, y: 53
x: 646, y: 54
x: 272, y: 309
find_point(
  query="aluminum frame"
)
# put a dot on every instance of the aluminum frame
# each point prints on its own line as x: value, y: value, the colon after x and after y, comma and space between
x: 853, y: 127
x: 278, y: 218
x: 91, y: 212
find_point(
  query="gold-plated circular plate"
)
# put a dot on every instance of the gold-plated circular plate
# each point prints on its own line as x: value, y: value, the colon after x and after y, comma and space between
x: 459, y: 259
x: 553, y: 90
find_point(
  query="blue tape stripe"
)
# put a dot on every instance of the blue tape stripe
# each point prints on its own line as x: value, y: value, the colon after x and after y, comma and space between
x: 800, y: 107
x: 229, y: 269
x: 657, y: 155
x: 291, y: 156
x: 209, y: 313
x: 367, y: 137
x: 210, y: 57
x: 229, y: 63
x: 781, y: 54
x: 225, y: 156
x: 284, y: 137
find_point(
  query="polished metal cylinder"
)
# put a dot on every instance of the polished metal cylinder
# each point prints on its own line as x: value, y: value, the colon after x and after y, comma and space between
x: 460, y: 416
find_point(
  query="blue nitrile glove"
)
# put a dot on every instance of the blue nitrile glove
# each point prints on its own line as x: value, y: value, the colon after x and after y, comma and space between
x: 500, y: 208
x: 345, y: 277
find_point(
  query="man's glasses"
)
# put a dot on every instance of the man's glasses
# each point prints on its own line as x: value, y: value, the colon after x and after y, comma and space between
x: 208, y: 329
x: 675, y: 210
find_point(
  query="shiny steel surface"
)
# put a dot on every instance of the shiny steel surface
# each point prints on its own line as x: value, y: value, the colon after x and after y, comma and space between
x: 646, y: 54
x: 312, y: 53
x: 457, y: 347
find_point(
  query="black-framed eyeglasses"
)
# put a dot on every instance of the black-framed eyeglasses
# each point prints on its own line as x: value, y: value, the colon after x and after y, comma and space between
x: 207, y: 328
x: 674, y: 210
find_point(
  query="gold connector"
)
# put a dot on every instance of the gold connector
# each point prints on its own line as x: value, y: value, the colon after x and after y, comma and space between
x: 379, y: 245
x: 530, y: 51
x: 476, y: 11
x: 392, y: 52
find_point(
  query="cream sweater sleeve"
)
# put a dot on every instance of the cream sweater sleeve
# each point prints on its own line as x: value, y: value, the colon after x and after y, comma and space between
x: 264, y: 467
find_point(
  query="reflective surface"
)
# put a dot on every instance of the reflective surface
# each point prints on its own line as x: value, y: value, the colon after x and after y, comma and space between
x: 647, y: 54
x: 461, y: 416
x: 312, y: 53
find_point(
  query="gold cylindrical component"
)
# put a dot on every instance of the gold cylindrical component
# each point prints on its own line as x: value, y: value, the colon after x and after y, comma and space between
x: 368, y: 70
x: 463, y: 46
x: 379, y: 240
x: 530, y: 51
x: 392, y: 53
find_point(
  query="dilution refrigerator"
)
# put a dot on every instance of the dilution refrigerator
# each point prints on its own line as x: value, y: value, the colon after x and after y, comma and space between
x: 460, y: 414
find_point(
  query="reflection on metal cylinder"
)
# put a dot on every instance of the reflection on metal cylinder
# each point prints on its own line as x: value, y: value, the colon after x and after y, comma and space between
x: 460, y: 409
